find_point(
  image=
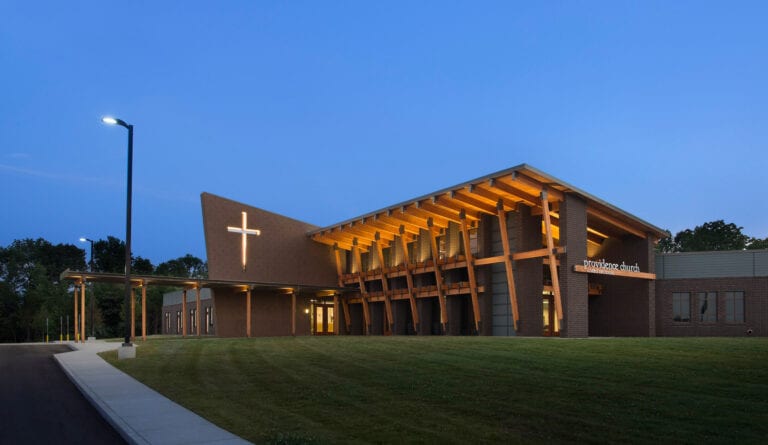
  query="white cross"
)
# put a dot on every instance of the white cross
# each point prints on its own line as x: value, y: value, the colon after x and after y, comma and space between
x: 245, y: 231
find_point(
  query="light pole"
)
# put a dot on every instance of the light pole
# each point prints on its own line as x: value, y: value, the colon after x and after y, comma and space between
x: 90, y: 269
x: 114, y: 121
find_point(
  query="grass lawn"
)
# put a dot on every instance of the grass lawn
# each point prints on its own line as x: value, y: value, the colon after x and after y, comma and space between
x: 466, y: 389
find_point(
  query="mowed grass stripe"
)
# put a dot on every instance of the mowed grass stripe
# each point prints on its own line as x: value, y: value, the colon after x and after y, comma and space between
x: 467, y: 389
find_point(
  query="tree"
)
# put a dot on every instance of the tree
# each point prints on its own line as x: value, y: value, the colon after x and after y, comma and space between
x: 188, y: 266
x: 667, y: 244
x: 757, y: 243
x: 714, y: 235
x: 109, y: 255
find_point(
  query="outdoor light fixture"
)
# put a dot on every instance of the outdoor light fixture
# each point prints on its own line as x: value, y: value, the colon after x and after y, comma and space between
x: 114, y: 121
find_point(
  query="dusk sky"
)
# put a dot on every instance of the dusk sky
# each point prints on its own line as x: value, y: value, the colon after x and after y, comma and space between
x: 323, y: 111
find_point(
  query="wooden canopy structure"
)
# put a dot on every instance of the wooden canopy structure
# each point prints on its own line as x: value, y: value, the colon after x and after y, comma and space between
x: 464, y: 205
x: 80, y: 279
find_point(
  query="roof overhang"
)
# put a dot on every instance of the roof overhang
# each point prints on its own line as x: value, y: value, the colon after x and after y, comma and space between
x: 192, y: 283
x: 505, y: 190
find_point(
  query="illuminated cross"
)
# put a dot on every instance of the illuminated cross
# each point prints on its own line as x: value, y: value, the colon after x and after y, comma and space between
x: 245, y: 231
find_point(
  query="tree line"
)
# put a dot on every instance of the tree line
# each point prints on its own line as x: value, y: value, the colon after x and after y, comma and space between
x: 713, y: 235
x: 32, y: 293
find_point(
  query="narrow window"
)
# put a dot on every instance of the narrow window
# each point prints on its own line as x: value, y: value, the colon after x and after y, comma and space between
x: 734, y: 307
x: 708, y: 307
x: 681, y: 306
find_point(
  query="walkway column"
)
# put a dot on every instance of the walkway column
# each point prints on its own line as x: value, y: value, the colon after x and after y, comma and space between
x: 293, y: 314
x: 197, y: 310
x: 133, y: 314
x: 184, y: 313
x: 74, y: 320
x: 144, y: 313
x: 248, y: 312
x: 82, y: 312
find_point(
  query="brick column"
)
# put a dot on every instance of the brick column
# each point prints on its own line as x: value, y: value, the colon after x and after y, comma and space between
x: 573, y: 285
x: 529, y: 274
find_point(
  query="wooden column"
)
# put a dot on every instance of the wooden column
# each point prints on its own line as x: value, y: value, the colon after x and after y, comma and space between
x: 438, y: 279
x: 385, y: 284
x: 470, y: 270
x: 184, y: 313
x: 552, y: 258
x: 409, y: 280
x: 293, y: 314
x: 336, y: 314
x: 82, y: 312
x: 502, y: 215
x: 74, y: 320
x: 144, y: 312
x: 345, y: 307
x: 340, y: 273
x: 248, y: 313
x: 361, y: 281
x: 133, y: 314
x: 197, y: 309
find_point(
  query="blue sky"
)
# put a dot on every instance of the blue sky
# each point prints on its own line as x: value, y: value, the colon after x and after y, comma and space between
x: 326, y: 110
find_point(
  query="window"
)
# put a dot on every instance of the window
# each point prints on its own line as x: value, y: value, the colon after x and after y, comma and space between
x: 681, y: 306
x: 178, y: 322
x: 167, y: 322
x: 192, y: 320
x: 707, y: 307
x: 734, y: 307
x: 208, y: 319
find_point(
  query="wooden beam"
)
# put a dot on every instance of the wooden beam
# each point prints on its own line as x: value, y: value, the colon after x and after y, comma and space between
x: 538, y: 253
x: 75, y: 320
x: 447, y: 202
x: 437, y: 220
x: 553, y: 194
x: 144, y: 312
x: 363, y: 292
x: 620, y: 224
x: 82, y: 312
x: 248, y: 331
x: 470, y: 201
x: 502, y: 215
x: 347, y: 320
x: 293, y: 314
x: 526, y: 198
x: 395, y: 223
x: 385, y: 287
x: 409, y: 281
x: 471, y: 272
x: 339, y: 270
x: 133, y: 314
x: 184, y: 313
x: 491, y: 196
x: 336, y: 314
x: 439, y: 282
x: 448, y: 214
x: 552, y: 259
x: 489, y: 260
x: 197, y: 310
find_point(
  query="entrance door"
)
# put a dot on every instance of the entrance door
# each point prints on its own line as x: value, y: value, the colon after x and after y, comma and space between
x: 322, y: 319
x: 549, y: 320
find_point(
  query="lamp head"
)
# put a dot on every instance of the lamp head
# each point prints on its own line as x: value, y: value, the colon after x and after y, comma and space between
x: 114, y: 121
x: 82, y: 240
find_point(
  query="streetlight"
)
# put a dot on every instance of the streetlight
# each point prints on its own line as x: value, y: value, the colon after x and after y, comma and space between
x: 90, y: 269
x: 114, y: 121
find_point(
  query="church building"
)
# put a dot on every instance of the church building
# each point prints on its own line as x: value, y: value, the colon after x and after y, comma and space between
x: 516, y: 252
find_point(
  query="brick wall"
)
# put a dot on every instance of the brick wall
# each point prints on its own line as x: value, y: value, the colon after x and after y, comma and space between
x: 755, y: 307
x: 573, y: 285
x: 627, y: 305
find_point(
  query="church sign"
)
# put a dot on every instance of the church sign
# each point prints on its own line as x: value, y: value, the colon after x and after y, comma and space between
x: 607, y: 268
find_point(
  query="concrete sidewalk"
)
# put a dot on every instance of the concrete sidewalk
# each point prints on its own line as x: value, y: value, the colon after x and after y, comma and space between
x: 140, y: 414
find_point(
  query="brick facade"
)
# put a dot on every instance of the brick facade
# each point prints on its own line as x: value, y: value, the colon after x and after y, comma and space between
x: 755, y: 307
